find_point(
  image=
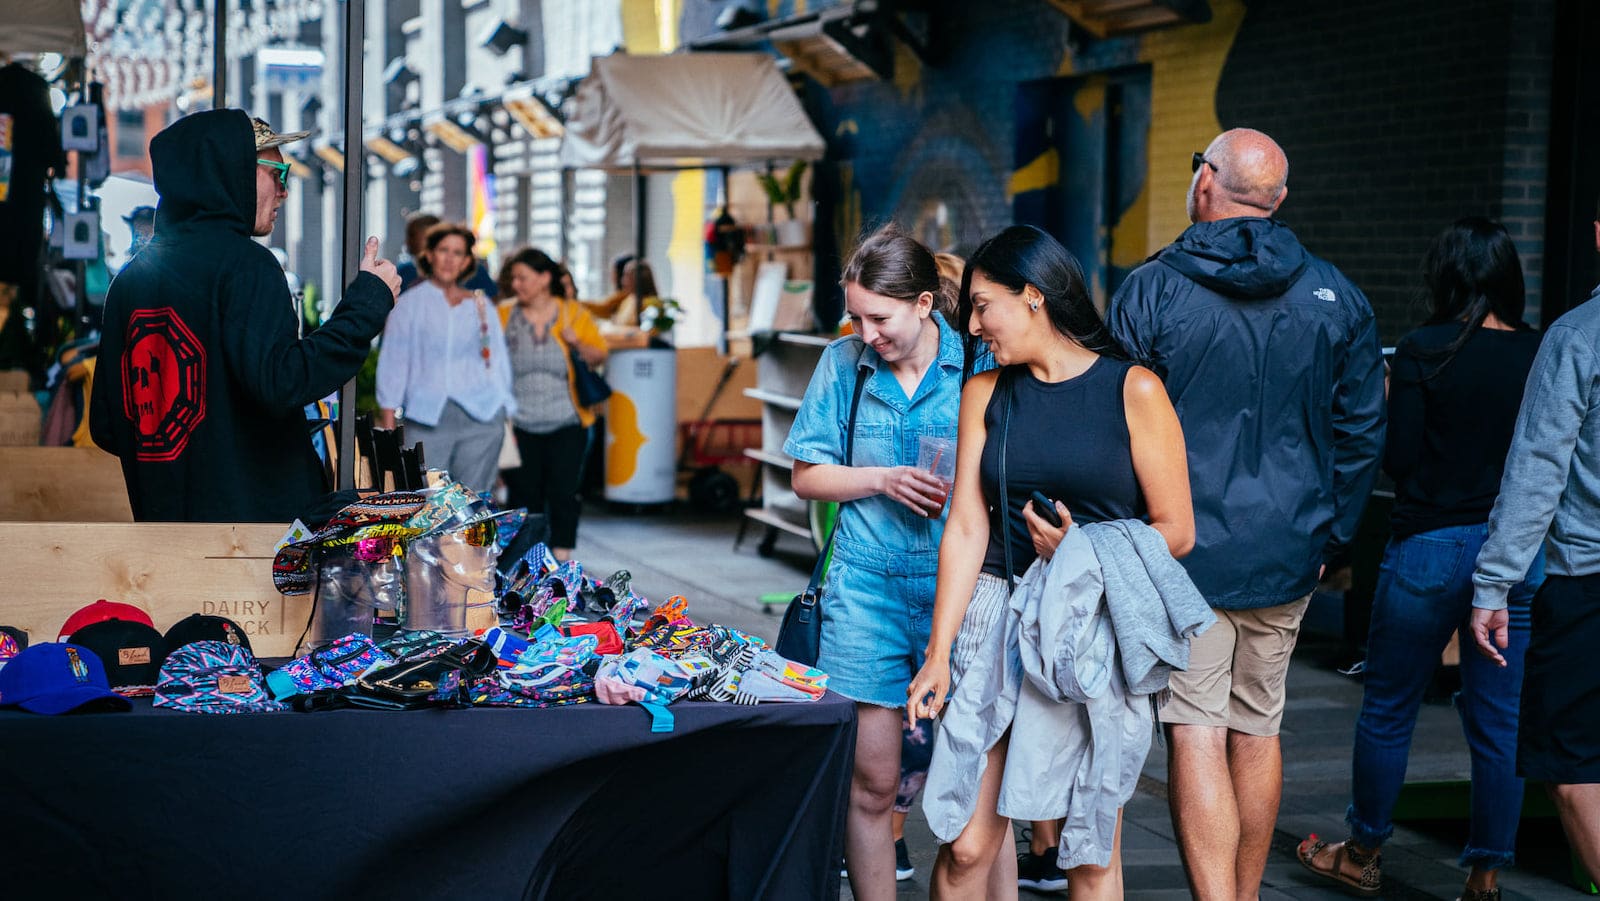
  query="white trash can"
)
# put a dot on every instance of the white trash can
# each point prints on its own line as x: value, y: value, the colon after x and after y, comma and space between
x: 642, y: 426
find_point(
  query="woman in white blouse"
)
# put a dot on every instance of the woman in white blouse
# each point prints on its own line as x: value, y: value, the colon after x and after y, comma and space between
x: 443, y: 364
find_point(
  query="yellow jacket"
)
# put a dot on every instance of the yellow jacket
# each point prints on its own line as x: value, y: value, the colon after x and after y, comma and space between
x: 573, y: 314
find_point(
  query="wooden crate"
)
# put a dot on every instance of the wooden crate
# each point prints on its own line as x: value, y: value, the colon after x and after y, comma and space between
x: 62, y: 484
x: 20, y: 419
x: 171, y: 570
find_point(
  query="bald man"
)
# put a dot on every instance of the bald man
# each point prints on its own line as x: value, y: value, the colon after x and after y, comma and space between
x: 1272, y: 360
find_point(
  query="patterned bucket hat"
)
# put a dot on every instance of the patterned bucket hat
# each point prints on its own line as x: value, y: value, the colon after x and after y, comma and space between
x: 214, y: 677
x: 267, y: 138
x: 377, y: 526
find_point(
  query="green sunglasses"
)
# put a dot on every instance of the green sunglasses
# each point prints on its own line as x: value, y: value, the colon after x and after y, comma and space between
x: 283, y: 171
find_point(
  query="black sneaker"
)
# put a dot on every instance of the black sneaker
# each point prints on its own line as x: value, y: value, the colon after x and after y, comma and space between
x: 1039, y: 872
x: 903, y: 869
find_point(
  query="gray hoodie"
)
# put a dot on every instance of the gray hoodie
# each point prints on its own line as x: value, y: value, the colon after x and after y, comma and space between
x: 1551, y: 486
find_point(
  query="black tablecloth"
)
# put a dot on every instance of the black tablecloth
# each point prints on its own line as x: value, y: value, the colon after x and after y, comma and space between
x: 565, y: 803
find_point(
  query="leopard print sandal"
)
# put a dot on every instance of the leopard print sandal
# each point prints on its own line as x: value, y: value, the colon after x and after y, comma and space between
x: 1329, y: 861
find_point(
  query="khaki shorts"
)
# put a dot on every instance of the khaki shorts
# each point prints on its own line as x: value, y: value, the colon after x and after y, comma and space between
x: 1237, y: 670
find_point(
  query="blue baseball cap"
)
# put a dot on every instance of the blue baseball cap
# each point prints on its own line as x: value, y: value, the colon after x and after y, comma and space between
x: 57, y: 677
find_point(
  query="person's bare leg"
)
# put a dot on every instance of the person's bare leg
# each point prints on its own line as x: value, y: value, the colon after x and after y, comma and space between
x: 962, y: 869
x: 1205, y: 813
x: 897, y: 825
x: 868, y: 846
x: 1092, y: 883
x: 1480, y: 880
x: 1003, y: 873
x: 1255, y: 764
x: 1045, y: 837
x: 1579, y: 807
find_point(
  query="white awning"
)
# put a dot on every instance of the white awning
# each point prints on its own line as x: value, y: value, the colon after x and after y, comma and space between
x: 42, y: 26
x: 690, y: 109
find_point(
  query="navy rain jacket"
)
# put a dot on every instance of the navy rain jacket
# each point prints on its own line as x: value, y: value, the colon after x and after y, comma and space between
x: 1272, y: 360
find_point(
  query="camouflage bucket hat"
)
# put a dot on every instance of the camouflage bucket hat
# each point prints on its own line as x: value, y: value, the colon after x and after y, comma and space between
x: 266, y: 137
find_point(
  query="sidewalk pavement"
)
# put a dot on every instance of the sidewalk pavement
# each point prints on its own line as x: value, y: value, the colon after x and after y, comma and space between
x: 683, y: 553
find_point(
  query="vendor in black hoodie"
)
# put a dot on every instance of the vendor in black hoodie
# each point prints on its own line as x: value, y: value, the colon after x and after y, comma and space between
x: 1272, y: 360
x: 204, y: 378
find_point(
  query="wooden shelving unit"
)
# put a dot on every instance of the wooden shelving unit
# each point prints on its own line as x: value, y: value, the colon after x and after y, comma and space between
x: 782, y: 373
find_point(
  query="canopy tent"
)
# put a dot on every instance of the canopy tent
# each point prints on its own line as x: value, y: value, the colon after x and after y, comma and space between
x: 43, y: 26
x: 686, y: 110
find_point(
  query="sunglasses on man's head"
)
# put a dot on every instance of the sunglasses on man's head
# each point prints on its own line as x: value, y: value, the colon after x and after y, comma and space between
x: 1198, y: 160
x: 283, y: 171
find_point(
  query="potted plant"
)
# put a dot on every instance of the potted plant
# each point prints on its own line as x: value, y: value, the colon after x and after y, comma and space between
x: 658, y: 316
x: 786, y: 193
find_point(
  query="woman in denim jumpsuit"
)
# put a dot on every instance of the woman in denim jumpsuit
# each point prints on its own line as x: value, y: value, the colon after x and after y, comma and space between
x: 877, y: 603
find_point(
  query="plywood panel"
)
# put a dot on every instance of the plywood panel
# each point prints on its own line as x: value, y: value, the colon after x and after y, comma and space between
x: 20, y: 419
x: 699, y: 370
x: 62, y: 484
x: 48, y: 570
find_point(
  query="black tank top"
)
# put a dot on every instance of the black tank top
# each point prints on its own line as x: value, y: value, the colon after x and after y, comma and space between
x: 1068, y: 440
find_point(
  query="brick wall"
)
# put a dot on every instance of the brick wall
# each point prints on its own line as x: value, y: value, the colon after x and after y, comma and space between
x: 1398, y: 117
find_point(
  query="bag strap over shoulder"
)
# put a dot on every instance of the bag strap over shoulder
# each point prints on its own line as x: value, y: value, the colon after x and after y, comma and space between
x: 849, y: 460
x: 1003, y: 385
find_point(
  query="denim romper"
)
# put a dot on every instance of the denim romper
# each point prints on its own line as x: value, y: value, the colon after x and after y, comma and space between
x: 877, y: 608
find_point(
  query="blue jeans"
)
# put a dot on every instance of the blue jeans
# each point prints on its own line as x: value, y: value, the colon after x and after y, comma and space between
x: 1424, y: 594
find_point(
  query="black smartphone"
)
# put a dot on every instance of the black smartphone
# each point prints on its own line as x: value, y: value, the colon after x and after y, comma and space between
x: 1046, y: 509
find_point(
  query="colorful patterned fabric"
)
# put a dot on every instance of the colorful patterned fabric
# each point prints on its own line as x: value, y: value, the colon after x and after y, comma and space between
x: 571, y: 579
x: 499, y: 691
x: 604, y: 630
x: 675, y: 639
x: 213, y: 677
x: 506, y: 645
x: 748, y: 672
x: 450, y: 507
x: 644, y: 675
x: 552, y: 670
x: 416, y: 644
x: 335, y: 666
x: 625, y: 603
x: 381, y: 516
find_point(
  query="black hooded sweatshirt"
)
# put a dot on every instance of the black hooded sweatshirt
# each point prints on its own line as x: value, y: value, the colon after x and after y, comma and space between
x: 203, y: 379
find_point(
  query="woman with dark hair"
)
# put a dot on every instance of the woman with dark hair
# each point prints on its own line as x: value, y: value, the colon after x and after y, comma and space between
x: 1070, y: 417
x: 443, y: 363
x: 1454, y: 392
x: 543, y: 328
x: 641, y: 282
x: 903, y: 368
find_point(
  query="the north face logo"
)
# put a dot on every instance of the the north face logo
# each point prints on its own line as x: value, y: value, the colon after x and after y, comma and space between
x: 1326, y: 294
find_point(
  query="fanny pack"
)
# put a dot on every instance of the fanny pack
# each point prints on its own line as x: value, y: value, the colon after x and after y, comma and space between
x: 748, y: 672
x: 416, y: 644
x: 439, y: 679
x: 325, y: 669
x: 552, y: 670
x: 652, y: 680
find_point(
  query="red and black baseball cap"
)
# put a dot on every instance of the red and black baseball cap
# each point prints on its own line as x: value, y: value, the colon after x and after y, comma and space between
x: 99, y: 612
x: 131, y: 653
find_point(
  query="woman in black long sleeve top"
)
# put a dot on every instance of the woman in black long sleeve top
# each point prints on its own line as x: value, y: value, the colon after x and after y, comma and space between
x: 1454, y: 393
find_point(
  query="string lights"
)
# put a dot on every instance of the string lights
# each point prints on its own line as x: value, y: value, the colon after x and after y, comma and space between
x: 151, y: 51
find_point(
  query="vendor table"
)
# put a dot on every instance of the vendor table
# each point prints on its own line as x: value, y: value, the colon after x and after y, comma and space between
x: 561, y: 803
